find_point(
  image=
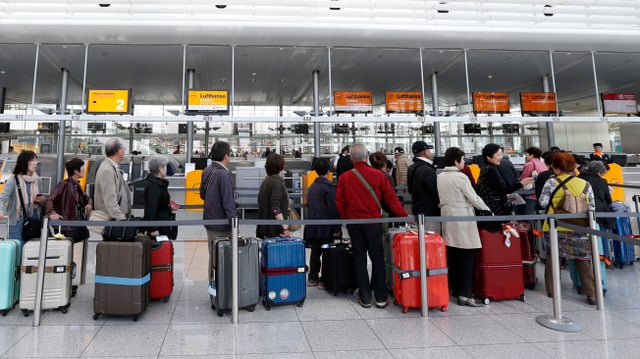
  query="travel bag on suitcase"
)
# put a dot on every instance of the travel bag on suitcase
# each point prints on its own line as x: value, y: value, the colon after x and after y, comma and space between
x: 122, y: 278
x: 337, y: 268
x: 161, y: 285
x: 283, y: 272
x: 10, y: 257
x: 56, y: 293
x: 248, y: 274
x: 529, y: 257
x: 498, y: 266
x: 406, y: 259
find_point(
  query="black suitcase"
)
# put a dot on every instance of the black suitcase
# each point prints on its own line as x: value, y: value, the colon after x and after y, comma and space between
x: 337, y: 268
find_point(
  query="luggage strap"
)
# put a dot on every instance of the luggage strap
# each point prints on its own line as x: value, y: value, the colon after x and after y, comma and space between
x: 47, y: 269
x: 431, y: 272
x: 103, y: 279
x: 283, y: 271
x: 501, y: 266
x: 162, y: 268
x: 532, y: 262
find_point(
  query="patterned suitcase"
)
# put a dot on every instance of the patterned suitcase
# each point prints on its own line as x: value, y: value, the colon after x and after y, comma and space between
x: 498, y: 267
x: 122, y: 278
x: 283, y: 272
x: 10, y: 257
x: 529, y: 258
x: 337, y: 268
x: 406, y: 259
x: 220, y: 284
x: 57, y: 278
x: 161, y: 285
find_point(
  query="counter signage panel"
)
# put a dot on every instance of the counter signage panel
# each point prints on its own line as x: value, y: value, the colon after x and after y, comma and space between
x: 537, y: 102
x: 404, y: 102
x: 109, y: 101
x: 619, y: 104
x: 208, y: 101
x: 353, y: 101
x: 490, y: 102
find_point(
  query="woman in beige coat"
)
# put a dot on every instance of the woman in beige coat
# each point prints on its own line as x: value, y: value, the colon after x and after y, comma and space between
x: 457, y: 198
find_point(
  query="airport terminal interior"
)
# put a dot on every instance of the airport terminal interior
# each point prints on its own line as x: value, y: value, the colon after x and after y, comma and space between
x: 304, y: 80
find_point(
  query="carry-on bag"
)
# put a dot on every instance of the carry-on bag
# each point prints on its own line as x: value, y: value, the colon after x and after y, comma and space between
x: 248, y: 275
x: 337, y: 268
x: 498, y: 266
x: 10, y: 257
x: 529, y: 257
x: 283, y: 272
x: 406, y: 259
x: 122, y: 278
x: 387, y: 243
x: 58, y: 269
x: 573, y: 271
x: 161, y: 285
x: 623, y: 253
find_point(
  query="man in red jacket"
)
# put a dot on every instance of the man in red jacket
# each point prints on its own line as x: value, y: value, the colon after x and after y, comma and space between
x: 362, y: 193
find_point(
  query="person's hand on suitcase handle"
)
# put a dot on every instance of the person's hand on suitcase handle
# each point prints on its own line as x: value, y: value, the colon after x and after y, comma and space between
x: 285, y: 227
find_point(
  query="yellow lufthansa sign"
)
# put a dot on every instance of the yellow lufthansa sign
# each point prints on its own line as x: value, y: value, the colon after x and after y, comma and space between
x: 208, y: 101
x: 108, y: 101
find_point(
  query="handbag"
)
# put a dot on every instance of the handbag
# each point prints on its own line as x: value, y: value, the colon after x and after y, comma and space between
x: 294, y: 216
x: 79, y: 233
x: 121, y: 233
x: 31, y: 227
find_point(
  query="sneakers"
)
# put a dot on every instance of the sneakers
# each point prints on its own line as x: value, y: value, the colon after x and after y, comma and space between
x: 320, y: 284
x: 312, y: 283
x: 363, y: 304
x: 469, y: 302
x: 382, y: 305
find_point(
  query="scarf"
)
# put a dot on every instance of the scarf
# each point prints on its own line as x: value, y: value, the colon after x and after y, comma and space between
x: 27, y: 196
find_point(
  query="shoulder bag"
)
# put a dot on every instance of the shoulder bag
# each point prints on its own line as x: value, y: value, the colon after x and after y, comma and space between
x: 31, y: 227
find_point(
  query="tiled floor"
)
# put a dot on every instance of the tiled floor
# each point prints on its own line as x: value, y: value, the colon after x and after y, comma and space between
x: 328, y: 326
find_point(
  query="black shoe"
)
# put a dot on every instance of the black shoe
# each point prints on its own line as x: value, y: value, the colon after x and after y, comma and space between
x: 74, y: 290
x: 592, y: 301
x: 363, y: 304
x: 469, y: 302
x: 383, y: 304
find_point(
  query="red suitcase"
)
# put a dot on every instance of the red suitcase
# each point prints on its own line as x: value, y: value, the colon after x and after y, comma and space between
x: 498, y: 266
x: 529, y: 258
x: 406, y: 265
x: 161, y: 284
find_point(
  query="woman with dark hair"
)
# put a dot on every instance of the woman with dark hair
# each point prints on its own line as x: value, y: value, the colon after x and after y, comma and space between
x: 493, y: 189
x: 379, y: 160
x: 69, y: 202
x: 457, y: 198
x: 26, y: 183
x: 273, y: 200
x: 532, y: 168
x: 571, y: 245
x: 157, y: 201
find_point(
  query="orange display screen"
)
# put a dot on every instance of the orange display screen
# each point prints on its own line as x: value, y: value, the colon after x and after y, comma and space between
x: 537, y: 102
x: 404, y: 102
x: 353, y: 101
x: 490, y: 102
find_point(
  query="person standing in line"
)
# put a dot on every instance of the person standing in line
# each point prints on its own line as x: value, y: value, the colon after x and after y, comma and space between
x: 423, y: 185
x: 532, y: 168
x: 157, y: 201
x: 216, y: 190
x: 402, y: 165
x: 343, y: 164
x: 111, y: 197
x: 273, y: 199
x: 363, y: 192
x: 69, y: 202
x: 26, y: 177
x: 321, y: 204
x: 507, y: 170
x: 457, y: 198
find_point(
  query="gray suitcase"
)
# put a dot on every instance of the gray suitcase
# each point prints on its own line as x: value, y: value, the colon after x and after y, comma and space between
x: 57, y: 279
x: 248, y: 275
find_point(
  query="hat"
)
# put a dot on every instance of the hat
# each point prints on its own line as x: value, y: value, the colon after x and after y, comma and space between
x: 420, y: 146
x: 398, y: 150
x: 597, y: 144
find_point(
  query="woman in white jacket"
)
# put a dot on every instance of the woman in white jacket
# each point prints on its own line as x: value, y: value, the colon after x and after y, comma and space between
x: 458, y: 198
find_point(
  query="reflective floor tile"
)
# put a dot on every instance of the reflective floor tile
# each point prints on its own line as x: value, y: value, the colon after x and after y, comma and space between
x: 131, y: 340
x: 518, y: 350
x: 435, y: 353
x: 409, y: 333
x: 285, y: 337
x: 355, y: 354
x: 468, y: 330
x: 54, y: 341
x: 10, y: 335
x: 590, y: 349
x: 526, y: 326
x: 327, y: 307
x: 201, y: 339
x: 341, y: 335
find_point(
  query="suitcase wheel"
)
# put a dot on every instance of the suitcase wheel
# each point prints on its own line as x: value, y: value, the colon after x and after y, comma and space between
x: 405, y: 310
x: 300, y: 303
x: 220, y: 313
x: 135, y: 318
x: 25, y: 312
x: 486, y: 301
x: 4, y: 312
x: 251, y: 308
x: 443, y: 309
x: 96, y: 316
x: 523, y: 298
x: 267, y: 306
x: 166, y: 299
x: 64, y: 309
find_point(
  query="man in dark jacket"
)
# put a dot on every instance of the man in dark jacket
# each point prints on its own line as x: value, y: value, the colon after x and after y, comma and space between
x: 321, y: 203
x: 422, y: 184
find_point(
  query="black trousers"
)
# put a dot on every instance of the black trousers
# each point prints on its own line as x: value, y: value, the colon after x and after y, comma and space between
x: 460, y: 261
x: 314, y: 259
x: 367, y: 239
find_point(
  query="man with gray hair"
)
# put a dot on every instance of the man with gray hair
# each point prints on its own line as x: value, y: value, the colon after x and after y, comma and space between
x: 111, y: 195
x: 363, y: 192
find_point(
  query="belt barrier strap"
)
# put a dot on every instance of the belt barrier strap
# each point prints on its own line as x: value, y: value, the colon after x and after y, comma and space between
x: 101, y: 279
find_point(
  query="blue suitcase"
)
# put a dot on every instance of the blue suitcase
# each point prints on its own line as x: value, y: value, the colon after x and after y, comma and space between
x: 283, y: 272
x: 10, y: 258
x: 623, y: 253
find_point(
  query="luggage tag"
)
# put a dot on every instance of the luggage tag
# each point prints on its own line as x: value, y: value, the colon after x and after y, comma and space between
x: 508, y: 232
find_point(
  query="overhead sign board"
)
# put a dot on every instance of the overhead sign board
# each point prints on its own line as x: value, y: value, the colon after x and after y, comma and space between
x: 109, y: 101
x: 353, y: 101
x: 537, y: 102
x: 208, y: 102
x: 490, y: 102
x: 403, y: 102
x: 619, y: 104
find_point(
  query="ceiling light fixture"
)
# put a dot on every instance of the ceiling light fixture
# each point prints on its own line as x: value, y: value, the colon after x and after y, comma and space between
x: 547, y: 11
x: 104, y: 5
x: 221, y: 6
x: 442, y: 10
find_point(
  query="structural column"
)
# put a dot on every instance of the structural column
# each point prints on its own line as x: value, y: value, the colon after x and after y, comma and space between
x: 62, y: 125
x: 316, y: 113
x: 189, y: 150
x: 550, y: 132
x: 436, y: 113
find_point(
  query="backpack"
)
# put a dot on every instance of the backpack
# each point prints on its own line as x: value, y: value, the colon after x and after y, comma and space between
x: 570, y: 203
